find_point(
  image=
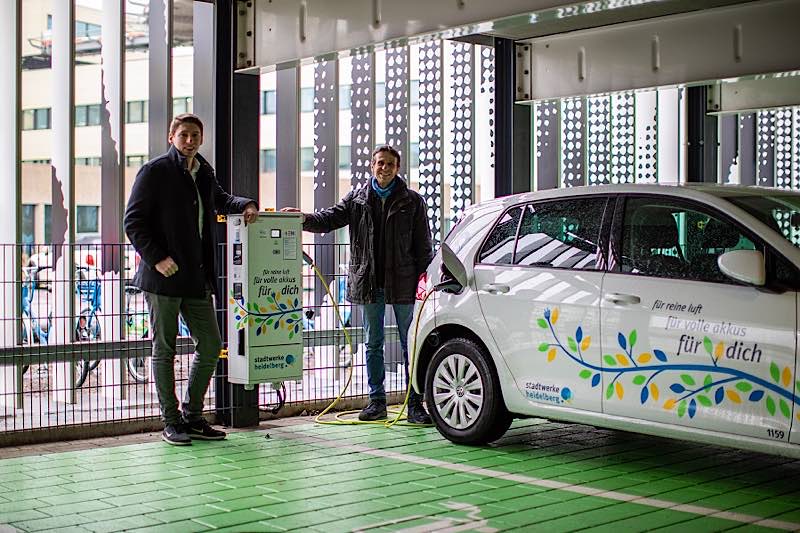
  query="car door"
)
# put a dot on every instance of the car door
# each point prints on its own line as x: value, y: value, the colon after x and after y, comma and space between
x: 684, y: 344
x: 538, y: 277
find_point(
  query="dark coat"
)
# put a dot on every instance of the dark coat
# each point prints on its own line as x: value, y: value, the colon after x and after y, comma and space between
x: 407, y: 239
x: 161, y: 221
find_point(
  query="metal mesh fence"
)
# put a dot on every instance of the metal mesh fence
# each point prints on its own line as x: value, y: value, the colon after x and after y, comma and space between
x: 75, y: 342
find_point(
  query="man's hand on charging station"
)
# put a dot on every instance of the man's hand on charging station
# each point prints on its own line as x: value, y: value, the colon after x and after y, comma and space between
x: 293, y: 210
x: 250, y: 213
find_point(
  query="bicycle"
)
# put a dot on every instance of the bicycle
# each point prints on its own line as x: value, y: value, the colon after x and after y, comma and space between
x: 37, y: 331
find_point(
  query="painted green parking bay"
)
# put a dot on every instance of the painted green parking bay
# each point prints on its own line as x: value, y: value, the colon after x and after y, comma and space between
x: 540, y: 476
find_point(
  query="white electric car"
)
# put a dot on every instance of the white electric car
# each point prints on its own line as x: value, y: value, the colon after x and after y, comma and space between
x: 669, y: 310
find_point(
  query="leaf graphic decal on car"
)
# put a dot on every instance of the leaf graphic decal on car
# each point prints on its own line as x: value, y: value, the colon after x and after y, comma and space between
x: 693, y: 386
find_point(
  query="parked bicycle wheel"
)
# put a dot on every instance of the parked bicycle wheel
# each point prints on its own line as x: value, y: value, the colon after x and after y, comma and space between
x: 137, y: 369
x: 87, y: 329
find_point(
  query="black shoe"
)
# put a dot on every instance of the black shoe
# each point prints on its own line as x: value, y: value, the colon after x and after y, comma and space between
x: 200, y: 429
x: 376, y: 410
x: 175, y: 434
x: 417, y: 413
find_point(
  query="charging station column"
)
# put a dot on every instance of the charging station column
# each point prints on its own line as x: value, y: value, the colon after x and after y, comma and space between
x: 265, y: 299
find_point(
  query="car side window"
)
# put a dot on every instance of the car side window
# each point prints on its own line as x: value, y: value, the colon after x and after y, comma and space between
x: 562, y: 234
x: 668, y: 239
x: 499, y: 246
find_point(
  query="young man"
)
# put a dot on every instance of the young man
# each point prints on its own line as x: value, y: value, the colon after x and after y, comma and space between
x: 390, y: 247
x: 169, y: 221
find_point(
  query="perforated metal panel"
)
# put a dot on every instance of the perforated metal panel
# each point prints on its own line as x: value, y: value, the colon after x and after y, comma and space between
x: 362, y: 104
x: 397, y: 82
x: 599, y: 140
x: 547, y: 145
x: 326, y: 89
x: 572, y: 142
x: 747, y: 149
x: 766, y: 148
x: 487, y: 88
x: 430, y: 133
x: 622, y: 138
x: 462, y: 129
x: 783, y: 148
x: 646, y: 126
x: 795, y: 148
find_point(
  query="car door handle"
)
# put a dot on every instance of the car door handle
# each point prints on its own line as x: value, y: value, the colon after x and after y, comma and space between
x: 618, y: 298
x: 496, y: 288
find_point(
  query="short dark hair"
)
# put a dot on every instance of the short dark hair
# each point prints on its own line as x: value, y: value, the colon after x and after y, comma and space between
x: 185, y: 118
x: 386, y: 148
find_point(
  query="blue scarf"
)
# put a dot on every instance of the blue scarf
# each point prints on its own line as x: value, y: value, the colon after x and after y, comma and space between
x: 383, y: 192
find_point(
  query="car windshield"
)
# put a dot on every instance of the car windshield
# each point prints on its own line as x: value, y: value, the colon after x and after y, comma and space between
x: 780, y: 211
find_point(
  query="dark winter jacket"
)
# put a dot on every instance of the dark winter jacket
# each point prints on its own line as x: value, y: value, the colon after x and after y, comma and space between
x: 406, y: 237
x: 161, y: 221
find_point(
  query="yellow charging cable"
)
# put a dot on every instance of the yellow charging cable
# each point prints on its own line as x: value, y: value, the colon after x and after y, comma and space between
x: 338, y: 419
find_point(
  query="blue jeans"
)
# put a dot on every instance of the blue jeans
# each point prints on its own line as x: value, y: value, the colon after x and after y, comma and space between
x: 374, y: 315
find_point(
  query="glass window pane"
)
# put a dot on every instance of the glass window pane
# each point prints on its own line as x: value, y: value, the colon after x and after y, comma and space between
x: 27, y: 119
x: 86, y: 219
x: 268, y: 162
x: 28, y: 223
x: 344, y: 158
x: 499, y: 247
x: 42, y: 119
x: 94, y: 115
x: 80, y: 115
x: 306, y: 99
x: 563, y: 234
x: 306, y: 159
x: 380, y: 94
x: 270, y: 102
x: 48, y: 219
x: 669, y: 240
x: 344, y: 97
x: 413, y: 160
x: 414, y: 92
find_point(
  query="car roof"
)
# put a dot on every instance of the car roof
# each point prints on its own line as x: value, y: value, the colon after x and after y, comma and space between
x: 701, y: 191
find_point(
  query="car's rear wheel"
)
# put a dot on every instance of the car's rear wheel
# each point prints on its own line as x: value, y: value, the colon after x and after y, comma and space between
x: 463, y: 394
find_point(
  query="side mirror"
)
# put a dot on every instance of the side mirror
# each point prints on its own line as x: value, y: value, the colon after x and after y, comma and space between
x: 744, y: 265
x: 453, y: 265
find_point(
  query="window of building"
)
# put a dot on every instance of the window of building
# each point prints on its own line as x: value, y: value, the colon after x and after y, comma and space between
x: 36, y: 119
x: 306, y: 159
x: 307, y: 99
x: 135, y: 160
x: 87, y: 219
x: 28, y: 223
x: 37, y: 161
x: 85, y: 29
x: 344, y: 97
x: 87, y: 115
x: 87, y: 161
x: 268, y: 103
x: 48, y: 223
x: 380, y: 94
x: 414, y: 92
x: 413, y: 159
x: 563, y: 234
x: 344, y: 158
x: 268, y: 160
x: 181, y: 105
x: 136, y: 111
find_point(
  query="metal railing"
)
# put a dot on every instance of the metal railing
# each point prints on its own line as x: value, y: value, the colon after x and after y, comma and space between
x: 75, y: 344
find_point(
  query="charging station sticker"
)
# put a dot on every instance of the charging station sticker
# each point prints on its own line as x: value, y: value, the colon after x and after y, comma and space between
x: 290, y: 245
